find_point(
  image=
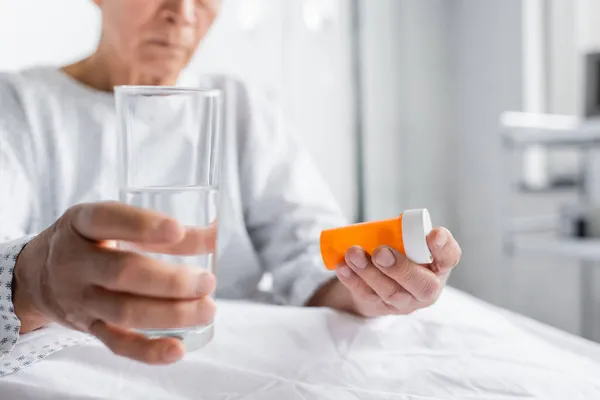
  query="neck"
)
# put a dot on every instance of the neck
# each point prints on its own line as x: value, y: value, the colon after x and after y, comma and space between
x: 103, y: 71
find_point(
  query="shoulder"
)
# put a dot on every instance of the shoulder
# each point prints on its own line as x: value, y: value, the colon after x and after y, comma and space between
x: 13, y: 88
x: 15, y: 85
x: 248, y: 97
x: 253, y: 109
x: 19, y: 92
x: 223, y: 82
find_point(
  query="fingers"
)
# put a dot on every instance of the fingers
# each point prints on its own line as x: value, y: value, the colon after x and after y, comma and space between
x: 445, y: 250
x: 422, y: 283
x: 136, y: 274
x: 388, y: 290
x: 117, y: 221
x: 355, y: 284
x: 397, y: 281
x: 136, y: 346
x: 213, y: 7
x: 195, y: 241
x: 129, y: 311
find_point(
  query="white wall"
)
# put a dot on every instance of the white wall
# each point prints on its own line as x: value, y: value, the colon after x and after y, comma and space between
x: 588, y: 39
x: 488, y: 74
x: 406, y: 126
x: 536, y: 278
x: 278, y: 46
x: 34, y: 32
x: 486, y: 81
x: 588, y: 29
x: 318, y: 91
x: 438, y: 75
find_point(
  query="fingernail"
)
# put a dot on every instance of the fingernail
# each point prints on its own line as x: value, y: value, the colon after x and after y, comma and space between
x: 358, y: 258
x: 172, y: 353
x: 169, y: 230
x: 441, y: 239
x: 384, y: 258
x: 344, y: 272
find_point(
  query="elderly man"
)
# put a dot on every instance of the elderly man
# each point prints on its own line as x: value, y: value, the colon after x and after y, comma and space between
x: 57, y: 173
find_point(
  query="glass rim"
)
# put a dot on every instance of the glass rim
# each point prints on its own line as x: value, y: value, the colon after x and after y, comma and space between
x: 165, y: 90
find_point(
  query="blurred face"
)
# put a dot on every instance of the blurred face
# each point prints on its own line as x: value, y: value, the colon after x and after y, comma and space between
x: 156, y: 37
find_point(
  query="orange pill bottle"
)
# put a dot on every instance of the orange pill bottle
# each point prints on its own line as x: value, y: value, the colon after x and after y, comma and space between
x: 406, y: 233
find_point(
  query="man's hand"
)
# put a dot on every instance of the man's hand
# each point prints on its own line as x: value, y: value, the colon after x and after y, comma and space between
x: 74, y: 274
x: 389, y: 283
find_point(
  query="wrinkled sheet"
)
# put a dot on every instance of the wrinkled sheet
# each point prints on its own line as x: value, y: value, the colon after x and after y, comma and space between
x: 461, y: 348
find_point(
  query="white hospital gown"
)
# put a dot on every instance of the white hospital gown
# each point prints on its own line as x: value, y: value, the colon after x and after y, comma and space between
x: 58, y: 148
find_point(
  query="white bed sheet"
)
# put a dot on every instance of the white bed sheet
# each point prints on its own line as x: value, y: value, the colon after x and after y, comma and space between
x: 460, y: 348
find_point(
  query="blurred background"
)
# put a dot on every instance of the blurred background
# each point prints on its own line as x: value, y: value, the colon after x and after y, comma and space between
x: 482, y: 111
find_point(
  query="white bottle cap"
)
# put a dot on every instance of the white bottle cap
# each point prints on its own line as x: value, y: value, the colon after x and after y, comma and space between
x: 416, y: 225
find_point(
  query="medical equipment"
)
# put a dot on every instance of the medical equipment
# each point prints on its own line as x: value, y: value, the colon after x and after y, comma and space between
x: 406, y: 233
x: 575, y: 227
x: 169, y: 152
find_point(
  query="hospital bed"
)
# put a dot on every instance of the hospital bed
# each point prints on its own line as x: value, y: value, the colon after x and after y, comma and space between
x: 461, y: 348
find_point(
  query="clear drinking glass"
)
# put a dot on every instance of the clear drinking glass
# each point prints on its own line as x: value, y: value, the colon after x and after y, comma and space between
x: 169, y: 140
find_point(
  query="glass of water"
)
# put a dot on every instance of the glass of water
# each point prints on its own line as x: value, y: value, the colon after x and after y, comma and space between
x: 169, y: 140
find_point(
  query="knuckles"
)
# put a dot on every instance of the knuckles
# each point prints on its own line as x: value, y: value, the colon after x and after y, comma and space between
x: 431, y: 289
x: 198, y: 312
x: 123, y: 314
x: 120, y: 271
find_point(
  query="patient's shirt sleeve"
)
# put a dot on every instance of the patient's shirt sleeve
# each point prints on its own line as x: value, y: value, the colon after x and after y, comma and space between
x: 16, y: 353
x: 286, y: 205
x: 16, y: 213
x: 22, y: 161
x: 15, y: 198
x: 9, y: 323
